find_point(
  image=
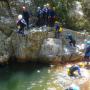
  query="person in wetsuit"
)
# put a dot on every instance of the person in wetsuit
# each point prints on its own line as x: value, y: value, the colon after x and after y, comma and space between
x: 72, y: 41
x: 87, y: 55
x: 74, y: 68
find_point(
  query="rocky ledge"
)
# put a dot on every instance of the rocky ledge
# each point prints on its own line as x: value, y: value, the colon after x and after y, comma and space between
x: 39, y: 44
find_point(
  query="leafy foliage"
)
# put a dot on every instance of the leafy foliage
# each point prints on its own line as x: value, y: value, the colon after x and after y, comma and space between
x: 62, y: 8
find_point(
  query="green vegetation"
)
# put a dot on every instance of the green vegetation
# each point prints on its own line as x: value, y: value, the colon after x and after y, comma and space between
x: 65, y: 9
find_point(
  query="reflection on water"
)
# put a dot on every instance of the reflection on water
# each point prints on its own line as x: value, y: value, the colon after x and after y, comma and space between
x: 27, y: 77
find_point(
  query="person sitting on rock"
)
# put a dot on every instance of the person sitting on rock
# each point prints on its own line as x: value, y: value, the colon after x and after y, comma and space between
x: 71, y: 71
x: 72, y: 42
x: 21, y: 24
x: 87, y: 55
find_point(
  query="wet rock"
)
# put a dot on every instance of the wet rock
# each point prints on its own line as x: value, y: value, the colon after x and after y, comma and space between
x: 28, y: 46
x: 4, y: 48
x: 51, y: 47
x: 35, y: 44
x: 39, y: 44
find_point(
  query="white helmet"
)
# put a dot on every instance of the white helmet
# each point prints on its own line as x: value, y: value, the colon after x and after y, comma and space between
x: 20, y: 16
x: 39, y: 8
x: 45, y: 5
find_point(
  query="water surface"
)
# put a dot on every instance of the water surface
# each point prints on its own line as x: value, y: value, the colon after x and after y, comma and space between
x: 26, y: 77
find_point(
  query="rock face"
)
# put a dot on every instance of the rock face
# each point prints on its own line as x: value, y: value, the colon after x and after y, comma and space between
x: 38, y: 43
x: 51, y: 47
x: 4, y: 47
x: 27, y: 47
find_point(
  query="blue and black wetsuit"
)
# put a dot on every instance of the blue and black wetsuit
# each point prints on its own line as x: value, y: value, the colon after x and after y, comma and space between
x: 57, y: 34
x: 87, y: 54
x: 72, y: 41
x: 26, y: 17
x: 22, y: 25
x: 40, y: 17
x: 45, y: 15
x: 51, y: 17
x: 73, y: 69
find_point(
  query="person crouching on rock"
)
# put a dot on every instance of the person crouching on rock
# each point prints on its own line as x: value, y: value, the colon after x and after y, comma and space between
x: 21, y: 24
x: 72, y: 41
x: 71, y: 71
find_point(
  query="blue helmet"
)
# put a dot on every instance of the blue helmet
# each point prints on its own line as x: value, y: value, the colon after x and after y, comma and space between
x: 74, y: 87
x: 88, y: 42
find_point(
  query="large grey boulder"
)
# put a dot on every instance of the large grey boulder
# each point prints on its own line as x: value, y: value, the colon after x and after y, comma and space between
x: 27, y: 47
x: 51, y: 47
x: 37, y: 44
x: 20, y: 46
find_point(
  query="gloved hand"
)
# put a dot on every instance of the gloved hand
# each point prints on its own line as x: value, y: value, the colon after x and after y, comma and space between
x: 18, y: 27
x: 80, y: 76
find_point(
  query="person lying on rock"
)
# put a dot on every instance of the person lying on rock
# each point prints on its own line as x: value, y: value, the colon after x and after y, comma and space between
x: 71, y: 71
x: 21, y: 24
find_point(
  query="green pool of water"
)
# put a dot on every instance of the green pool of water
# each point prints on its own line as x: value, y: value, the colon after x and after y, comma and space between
x: 26, y: 77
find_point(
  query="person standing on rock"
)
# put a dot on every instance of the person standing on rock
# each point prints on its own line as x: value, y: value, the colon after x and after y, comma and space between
x: 45, y: 15
x: 87, y: 55
x: 51, y: 16
x: 58, y: 29
x: 39, y: 16
x: 26, y: 16
x: 21, y: 24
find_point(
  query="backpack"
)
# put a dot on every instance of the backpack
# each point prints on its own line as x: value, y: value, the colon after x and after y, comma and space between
x: 68, y: 71
x: 60, y: 29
